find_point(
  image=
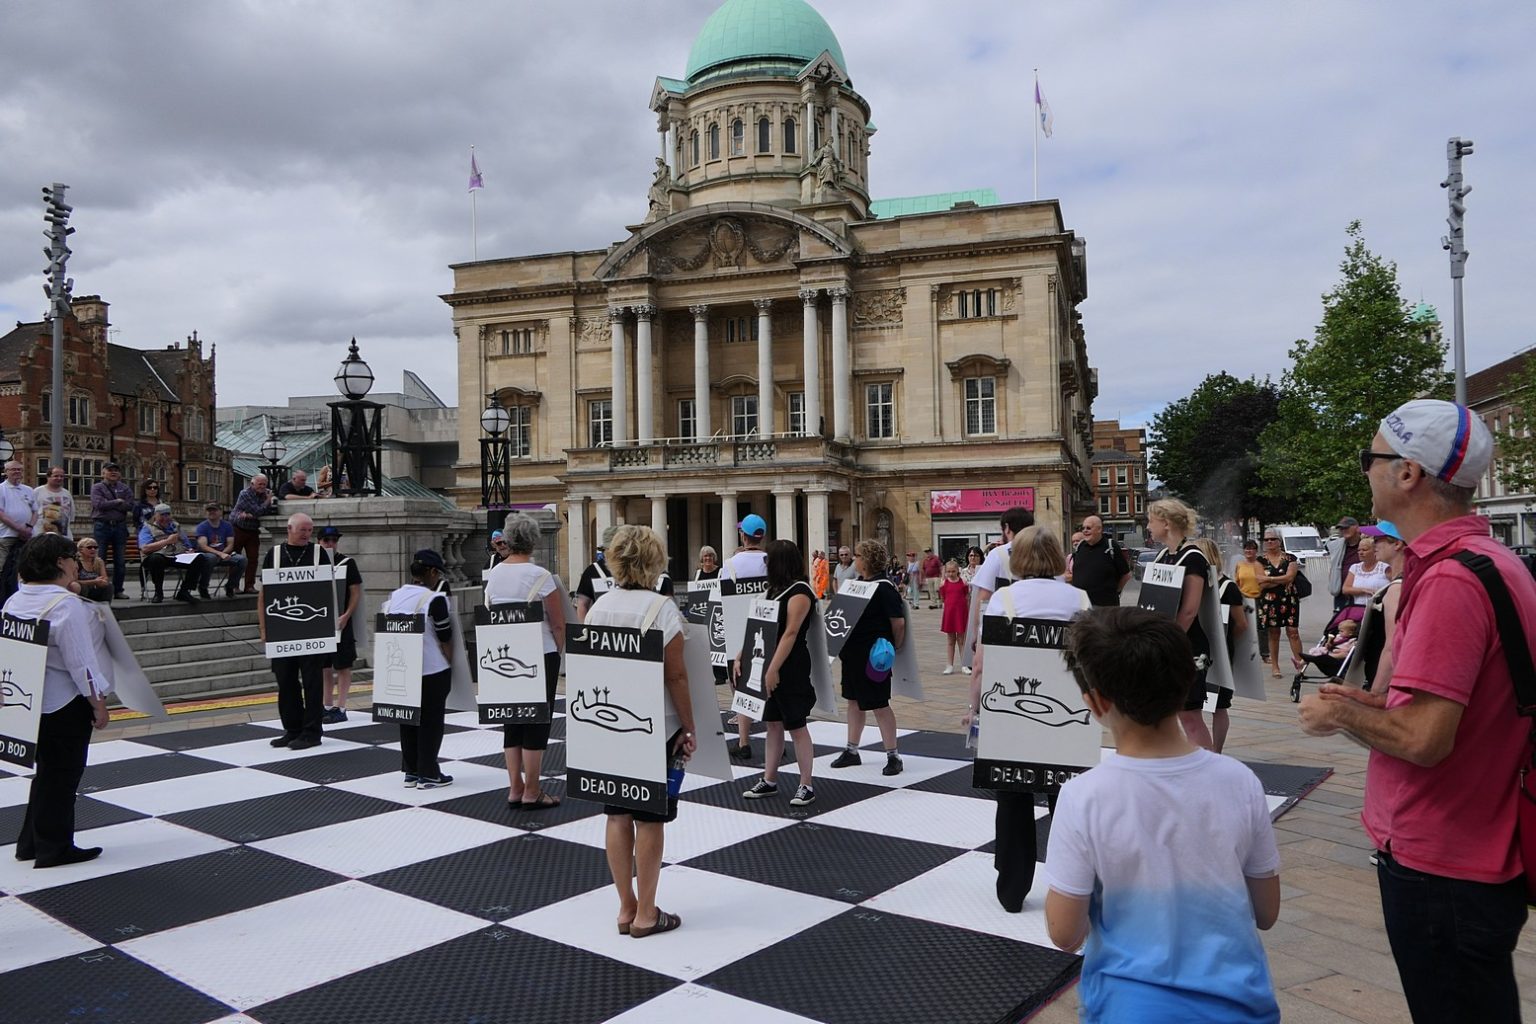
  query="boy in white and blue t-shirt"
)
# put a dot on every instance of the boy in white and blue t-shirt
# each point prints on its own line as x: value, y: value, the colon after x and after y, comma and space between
x: 1162, y: 858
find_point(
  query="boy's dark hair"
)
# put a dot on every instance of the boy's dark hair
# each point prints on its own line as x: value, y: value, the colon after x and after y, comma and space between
x: 1017, y: 519
x: 786, y: 566
x: 1139, y: 660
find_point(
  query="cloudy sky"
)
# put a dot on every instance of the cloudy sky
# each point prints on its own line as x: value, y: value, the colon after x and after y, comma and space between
x: 281, y: 175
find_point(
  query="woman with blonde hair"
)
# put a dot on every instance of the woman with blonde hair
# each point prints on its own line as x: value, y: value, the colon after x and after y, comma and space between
x: 1171, y: 523
x: 634, y: 839
x: 867, y: 685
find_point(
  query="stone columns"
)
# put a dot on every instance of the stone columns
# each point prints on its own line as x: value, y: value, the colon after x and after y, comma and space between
x: 727, y: 525
x: 702, y: 429
x: 645, y: 423
x: 784, y: 518
x: 620, y: 394
x: 812, y: 362
x: 659, y: 518
x: 841, y: 359
x: 809, y: 149
x: 579, y: 549
x: 816, y: 519
x: 764, y: 366
x: 603, y: 512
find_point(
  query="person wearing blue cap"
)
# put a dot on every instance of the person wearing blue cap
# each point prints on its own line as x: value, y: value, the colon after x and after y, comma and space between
x: 1391, y: 550
x: 750, y: 562
x: 499, y: 549
x: 868, y: 656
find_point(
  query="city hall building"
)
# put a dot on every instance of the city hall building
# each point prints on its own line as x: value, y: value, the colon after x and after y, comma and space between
x: 771, y: 339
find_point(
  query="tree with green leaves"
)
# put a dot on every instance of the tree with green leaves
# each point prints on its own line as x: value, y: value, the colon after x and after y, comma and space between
x: 1206, y: 446
x: 1366, y: 358
x: 1517, y: 442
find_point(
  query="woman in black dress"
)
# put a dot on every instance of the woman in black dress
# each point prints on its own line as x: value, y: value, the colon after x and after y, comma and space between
x: 1171, y: 522
x: 866, y: 688
x: 787, y: 676
x: 1277, y: 600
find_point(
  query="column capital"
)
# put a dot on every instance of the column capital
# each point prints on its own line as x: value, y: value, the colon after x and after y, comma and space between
x: 839, y: 294
x: 810, y: 295
x: 700, y: 311
x: 645, y: 312
x: 616, y: 314
x: 763, y: 305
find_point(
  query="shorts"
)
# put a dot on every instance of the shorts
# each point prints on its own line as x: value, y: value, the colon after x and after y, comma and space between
x: 530, y: 736
x: 1194, y: 700
x: 645, y: 817
x: 790, y: 705
x: 345, y: 655
x: 1223, y: 699
x: 864, y: 691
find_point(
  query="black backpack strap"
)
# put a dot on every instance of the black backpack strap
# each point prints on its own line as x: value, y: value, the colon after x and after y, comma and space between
x: 1511, y: 632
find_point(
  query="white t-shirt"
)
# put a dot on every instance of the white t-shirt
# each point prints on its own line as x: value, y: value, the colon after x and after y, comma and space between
x: 1163, y: 848
x: 1039, y: 599
x: 415, y: 599
x: 511, y: 583
x: 993, y: 566
x: 1379, y: 576
x: 746, y: 564
x: 629, y: 608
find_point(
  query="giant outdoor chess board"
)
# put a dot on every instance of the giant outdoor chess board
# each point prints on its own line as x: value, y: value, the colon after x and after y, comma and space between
x: 245, y: 883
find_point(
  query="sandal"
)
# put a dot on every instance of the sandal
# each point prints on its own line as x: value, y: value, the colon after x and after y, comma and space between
x: 624, y: 927
x: 665, y: 922
x: 544, y: 802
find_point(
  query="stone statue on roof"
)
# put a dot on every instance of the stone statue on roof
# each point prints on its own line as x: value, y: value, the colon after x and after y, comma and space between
x: 829, y: 169
x: 661, y: 192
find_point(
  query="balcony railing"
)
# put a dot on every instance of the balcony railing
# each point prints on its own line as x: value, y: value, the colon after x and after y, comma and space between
x: 749, y: 451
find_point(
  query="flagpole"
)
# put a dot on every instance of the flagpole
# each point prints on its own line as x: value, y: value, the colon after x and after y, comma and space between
x: 474, y: 231
x: 1036, y: 119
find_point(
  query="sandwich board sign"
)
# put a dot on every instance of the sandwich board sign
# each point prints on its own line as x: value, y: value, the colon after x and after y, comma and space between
x: 1247, y: 667
x: 615, y: 733
x: 697, y: 597
x: 23, y: 661
x: 735, y: 601
x: 1162, y: 591
x: 758, y: 644
x: 300, y: 606
x: 845, y: 610
x: 397, y: 644
x: 1036, y: 730
x: 509, y: 654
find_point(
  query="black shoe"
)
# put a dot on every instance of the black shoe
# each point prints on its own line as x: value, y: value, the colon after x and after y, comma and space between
x: 157, y: 598
x: 847, y: 759
x: 304, y: 743
x: 120, y: 595
x: 741, y: 752
x: 73, y: 855
x: 284, y: 739
x: 229, y: 592
x: 25, y: 855
x: 203, y: 593
x: 893, y: 764
x: 185, y: 596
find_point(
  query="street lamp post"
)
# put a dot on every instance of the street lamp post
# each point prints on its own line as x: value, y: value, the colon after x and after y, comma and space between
x: 272, y: 452
x: 495, y: 478
x: 356, y: 443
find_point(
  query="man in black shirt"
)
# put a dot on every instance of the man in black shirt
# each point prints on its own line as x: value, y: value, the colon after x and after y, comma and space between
x: 1099, y: 566
x: 296, y: 487
x: 300, y: 693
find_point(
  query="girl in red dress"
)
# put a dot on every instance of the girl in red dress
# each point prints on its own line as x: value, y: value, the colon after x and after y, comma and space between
x: 956, y: 597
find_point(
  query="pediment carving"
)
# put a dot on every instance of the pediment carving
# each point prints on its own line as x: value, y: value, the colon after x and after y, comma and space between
x: 881, y: 308
x: 722, y: 243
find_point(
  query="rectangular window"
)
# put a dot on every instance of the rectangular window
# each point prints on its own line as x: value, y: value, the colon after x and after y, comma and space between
x: 880, y: 409
x: 1138, y: 474
x: 963, y: 309
x: 738, y: 138
x: 1123, y: 503
x: 1103, y: 476
x: 795, y: 406
x: 743, y: 415
x: 149, y: 419
x: 519, y: 431
x: 980, y: 405
x: 79, y: 411
x: 1140, y: 504
x: 47, y: 407
x: 991, y: 302
x: 600, y: 421
x: 1103, y: 504
x: 1120, y: 475
x: 740, y: 329
x: 192, y: 485
x: 791, y: 135
x: 687, y: 420
x: 42, y: 473
x: 764, y: 135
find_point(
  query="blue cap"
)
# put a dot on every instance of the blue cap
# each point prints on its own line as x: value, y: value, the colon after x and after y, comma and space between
x: 753, y: 526
x: 429, y: 558
x: 495, y: 535
x: 1390, y: 530
x: 881, y: 657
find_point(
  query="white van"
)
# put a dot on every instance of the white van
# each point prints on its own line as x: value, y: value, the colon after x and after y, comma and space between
x: 1301, y: 541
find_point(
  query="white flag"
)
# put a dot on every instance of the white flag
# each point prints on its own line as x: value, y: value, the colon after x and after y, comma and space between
x: 1044, y: 110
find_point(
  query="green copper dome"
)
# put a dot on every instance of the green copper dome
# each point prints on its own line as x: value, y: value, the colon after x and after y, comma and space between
x: 1423, y: 313
x: 758, y: 30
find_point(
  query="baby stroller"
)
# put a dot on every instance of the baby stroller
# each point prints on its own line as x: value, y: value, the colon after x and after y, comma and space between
x: 1331, y: 656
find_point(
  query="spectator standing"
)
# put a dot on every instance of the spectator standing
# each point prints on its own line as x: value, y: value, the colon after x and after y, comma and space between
x: 337, y: 668
x: 1247, y: 573
x: 844, y: 569
x: 913, y: 578
x: 820, y: 574
x: 1447, y: 745
x: 161, y: 539
x: 709, y: 564
x: 1278, y: 605
x: 253, y: 503
x: 144, y: 508
x: 54, y: 502
x: 111, y: 507
x: 299, y: 682
x: 296, y: 487
x: 1343, y: 555
x: 954, y: 593
x: 18, y: 518
x: 216, y: 541
x: 933, y: 570
x: 323, y: 485
x: 973, y: 559
x: 1098, y: 566
x: 1368, y: 575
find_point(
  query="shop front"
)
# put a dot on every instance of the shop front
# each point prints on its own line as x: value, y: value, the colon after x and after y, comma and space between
x: 967, y: 517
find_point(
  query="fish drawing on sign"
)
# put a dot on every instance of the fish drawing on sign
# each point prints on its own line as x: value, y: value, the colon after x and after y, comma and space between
x: 1036, y: 707
x: 837, y: 623
x: 499, y: 661
x: 294, y: 610
x: 596, y: 710
x: 11, y: 693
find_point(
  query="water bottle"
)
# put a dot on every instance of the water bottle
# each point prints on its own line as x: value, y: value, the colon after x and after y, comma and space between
x: 675, y: 776
x: 974, y: 733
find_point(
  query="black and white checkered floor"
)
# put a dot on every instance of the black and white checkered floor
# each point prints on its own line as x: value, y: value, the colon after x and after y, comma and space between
x: 243, y: 883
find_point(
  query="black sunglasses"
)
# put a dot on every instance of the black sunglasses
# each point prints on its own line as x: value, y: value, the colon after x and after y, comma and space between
x: 1367, y: 457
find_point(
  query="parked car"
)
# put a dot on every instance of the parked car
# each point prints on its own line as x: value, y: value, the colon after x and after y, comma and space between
x: 1301, y: 541
x: 1144, y: 558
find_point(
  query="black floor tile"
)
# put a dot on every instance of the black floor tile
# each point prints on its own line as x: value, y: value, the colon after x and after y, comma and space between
x: 930, y: 744
x: 955, y: 783
x: 89, y: 813
x: 116, y: 908
x: 103, y: 986
x: 1288, y: 779
x: 835, y: 863
x: 246, y: 821
x: 382, y: 732
x: 518, y: 979
x: 830, y: 795
x: 136, y: 771
x: 213, y: 736
x: 898, y: 970
x: 492, y: 806
x: 351, y: 763
x: 502, y: 879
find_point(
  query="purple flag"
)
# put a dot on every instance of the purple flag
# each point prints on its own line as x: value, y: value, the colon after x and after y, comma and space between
x: 475, y: 180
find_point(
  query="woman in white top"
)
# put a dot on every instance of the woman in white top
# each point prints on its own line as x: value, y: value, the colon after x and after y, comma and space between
x: 73, y: 698
x: 634, y: 839
x: 1369, y: 575
x: 517, y: 578
x: 1035, y: 562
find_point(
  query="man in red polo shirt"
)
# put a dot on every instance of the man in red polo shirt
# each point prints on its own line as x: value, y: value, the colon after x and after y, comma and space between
x: 1446, y: 742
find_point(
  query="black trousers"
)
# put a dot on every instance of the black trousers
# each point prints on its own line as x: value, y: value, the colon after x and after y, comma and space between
x: 63, y: 740
x: 1017, y: 849
x: 419, y: 744
x: 194, y: 574
x: 300, y: 694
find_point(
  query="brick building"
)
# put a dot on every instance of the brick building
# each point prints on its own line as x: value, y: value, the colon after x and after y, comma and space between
x: 152, y: 411
x: 1511, y: 513
x: 1119, y: 479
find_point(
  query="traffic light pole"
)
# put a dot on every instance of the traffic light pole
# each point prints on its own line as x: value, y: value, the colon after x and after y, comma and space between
x: 58, y: 291
x: 1454, y: 243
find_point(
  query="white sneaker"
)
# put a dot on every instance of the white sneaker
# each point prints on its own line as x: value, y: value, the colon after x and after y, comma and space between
x: 949, y: 670
x: 965, y: 670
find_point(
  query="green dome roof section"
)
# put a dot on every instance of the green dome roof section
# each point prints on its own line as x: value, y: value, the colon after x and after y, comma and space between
x: 1423, y: 313
x: 754, y: 30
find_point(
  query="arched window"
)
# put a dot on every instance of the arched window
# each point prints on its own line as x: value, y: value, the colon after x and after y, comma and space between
x: 791, y: 135
x: 714, y: 142
x: 738, y: 138
x: 693, y: 142
x: 764, y: 135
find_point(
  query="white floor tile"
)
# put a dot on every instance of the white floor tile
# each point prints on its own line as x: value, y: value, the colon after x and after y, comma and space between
x: 109, y: 751
x: 14, y: 790
x: 369, y: 845
x: 699, y: 829
x: 467, y: 778
x: 962, y: 892
x: 267, y: 952
x: 253, y: 752
x: 209, y: 789
x: 926, y: 817
x: 356, y: 718
x: 835, y: 734
x: 132, y: 844
x: 914, y: 769
x: 696, y: 1003
x: 738, y: 772
x: 1274, y: 801
x: 29, y: 936
x: 468, y: 718
x: 724, y: 919
x: 460, y: 746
